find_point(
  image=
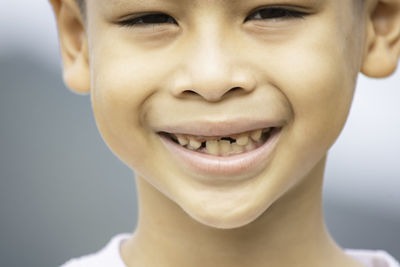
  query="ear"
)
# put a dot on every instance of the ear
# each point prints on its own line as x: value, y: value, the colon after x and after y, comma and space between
x: 73, y: 45
x: 382, y: 50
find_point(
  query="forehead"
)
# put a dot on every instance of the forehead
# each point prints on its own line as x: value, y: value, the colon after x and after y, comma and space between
x: 343, y: 10
x: 223, y: 6
x: 208, y: 3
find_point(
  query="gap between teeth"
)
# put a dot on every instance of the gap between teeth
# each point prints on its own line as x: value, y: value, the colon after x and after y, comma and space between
x: 222, y: 146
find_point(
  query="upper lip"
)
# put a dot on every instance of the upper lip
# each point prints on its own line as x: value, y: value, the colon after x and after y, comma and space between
x: 218, y: 127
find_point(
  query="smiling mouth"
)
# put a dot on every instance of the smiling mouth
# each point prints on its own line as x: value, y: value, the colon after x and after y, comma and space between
x: 223, y: 146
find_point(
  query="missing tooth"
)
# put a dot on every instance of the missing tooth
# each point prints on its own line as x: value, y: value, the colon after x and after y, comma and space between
x: 231, y: 140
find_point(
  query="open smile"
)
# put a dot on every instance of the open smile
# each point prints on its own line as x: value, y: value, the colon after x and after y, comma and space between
x: 227, y: 157
x: 223, y: 146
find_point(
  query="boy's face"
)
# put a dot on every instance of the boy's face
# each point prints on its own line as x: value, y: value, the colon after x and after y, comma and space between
x: 213, y: 66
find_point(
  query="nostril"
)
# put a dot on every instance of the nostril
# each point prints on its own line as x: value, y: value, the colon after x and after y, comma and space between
x: 234, y: 90
x: 189, y: 92
x: 212, y: 95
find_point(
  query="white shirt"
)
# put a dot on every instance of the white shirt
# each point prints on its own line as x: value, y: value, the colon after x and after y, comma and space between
x: 110, y: 256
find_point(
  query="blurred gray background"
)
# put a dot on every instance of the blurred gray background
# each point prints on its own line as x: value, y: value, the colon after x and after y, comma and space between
x: 64, y: 194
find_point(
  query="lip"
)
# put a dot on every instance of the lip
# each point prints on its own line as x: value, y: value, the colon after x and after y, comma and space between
x: 214, y: 169
x: 218, y: 127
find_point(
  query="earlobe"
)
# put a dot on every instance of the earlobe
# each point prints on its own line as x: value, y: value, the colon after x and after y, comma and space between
x: 382, y: 51
x: 73, y: 45
x: 77, y: 74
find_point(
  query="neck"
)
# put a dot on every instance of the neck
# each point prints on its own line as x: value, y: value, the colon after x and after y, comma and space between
x: 289, y: 232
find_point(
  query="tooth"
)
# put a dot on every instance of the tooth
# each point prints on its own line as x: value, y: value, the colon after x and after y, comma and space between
x: 250, y: 146
x: 242, y: 140
x: 256, y: 135
x: 183, y: 141
x: 224, y: 147
x: 193, y: 143
x: 212, y: 147
x: 237, y: 148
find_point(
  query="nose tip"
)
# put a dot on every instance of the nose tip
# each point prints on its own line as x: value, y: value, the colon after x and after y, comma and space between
x: 213, y: 67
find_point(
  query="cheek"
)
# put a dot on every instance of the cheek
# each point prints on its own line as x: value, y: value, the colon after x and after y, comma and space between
x: 122, y: 81
x: 320, y: 90
x: 319, y: 83
x: 317, y: 78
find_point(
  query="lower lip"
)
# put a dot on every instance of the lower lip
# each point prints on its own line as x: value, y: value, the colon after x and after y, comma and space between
x: 225, y: 168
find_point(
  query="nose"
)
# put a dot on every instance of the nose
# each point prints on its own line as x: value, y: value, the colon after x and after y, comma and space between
x: 212, y: 68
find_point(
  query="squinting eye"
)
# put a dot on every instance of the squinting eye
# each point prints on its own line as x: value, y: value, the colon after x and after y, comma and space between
x: 275, y: 13
x: 149, y: 19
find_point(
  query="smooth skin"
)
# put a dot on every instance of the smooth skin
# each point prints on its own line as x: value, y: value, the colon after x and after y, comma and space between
x: 213, y: 64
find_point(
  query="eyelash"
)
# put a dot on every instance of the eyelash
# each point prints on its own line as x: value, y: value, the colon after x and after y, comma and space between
x: 277, y: 13
x: 272, y: 12
x: 140, y: 21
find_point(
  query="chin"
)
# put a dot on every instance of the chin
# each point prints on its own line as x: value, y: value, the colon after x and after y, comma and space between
x: 225, y: 216
x: 220, y: 222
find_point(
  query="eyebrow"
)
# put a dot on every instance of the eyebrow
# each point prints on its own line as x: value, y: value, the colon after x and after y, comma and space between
x: 127, y: 4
